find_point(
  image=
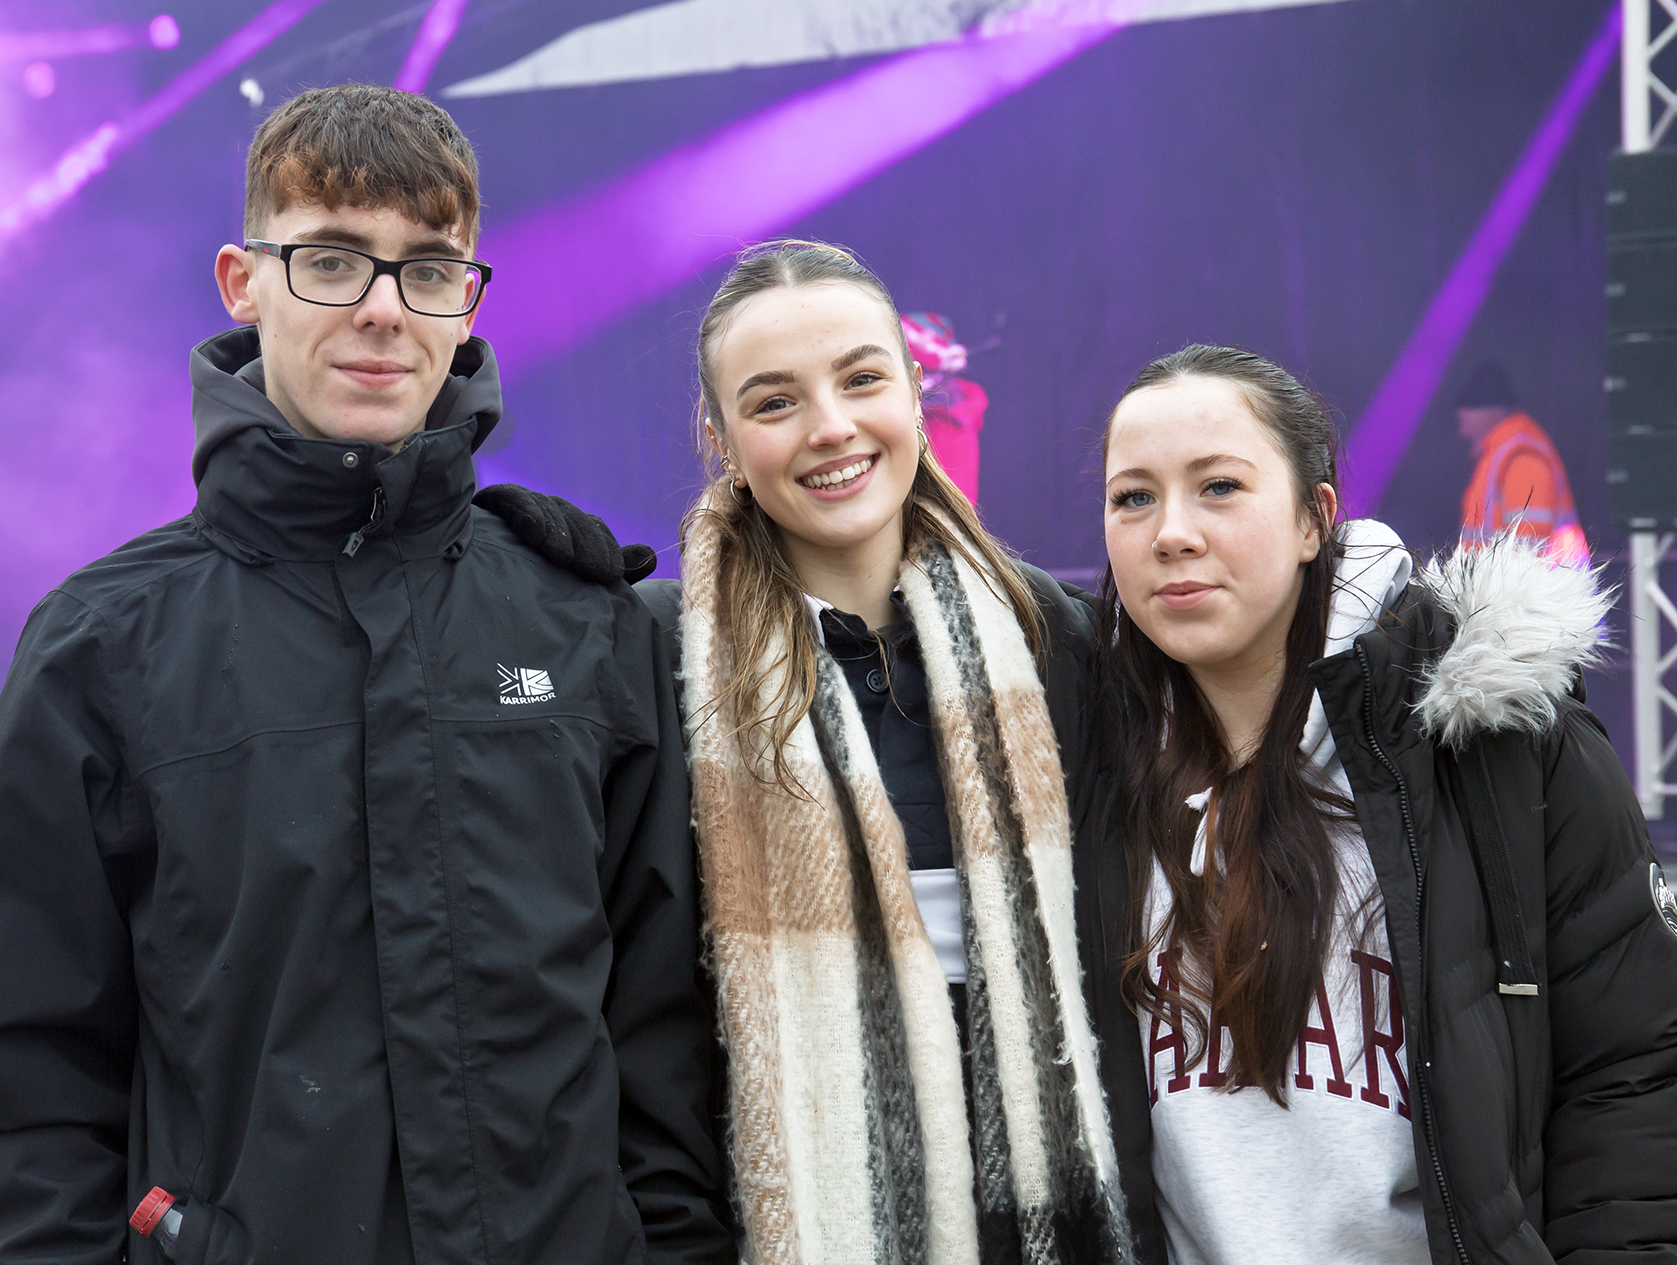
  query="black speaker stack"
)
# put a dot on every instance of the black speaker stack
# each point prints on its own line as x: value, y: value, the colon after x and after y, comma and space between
x: 1642, y: 338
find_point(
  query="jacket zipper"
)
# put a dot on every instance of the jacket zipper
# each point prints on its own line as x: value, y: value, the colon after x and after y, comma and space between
x: 353, y: 544
x: 1415, y: 858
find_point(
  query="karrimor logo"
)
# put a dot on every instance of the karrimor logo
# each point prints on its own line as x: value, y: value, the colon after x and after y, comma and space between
x: 524, y: 685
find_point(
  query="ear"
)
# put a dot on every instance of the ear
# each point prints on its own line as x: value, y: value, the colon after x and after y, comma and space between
x: 466, y: 324
x: 233, y: 278
x: 919, y: 379
x: 1327, y: 506
x: 716, y: 443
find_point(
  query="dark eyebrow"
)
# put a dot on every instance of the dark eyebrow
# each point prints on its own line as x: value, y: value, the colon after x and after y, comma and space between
x: 858, y: 353
x: 433, y: 246
x: 1133, y: 473
x: 769, y: 377
x: 332, y: 236
x: 1217, y: 459
x: 778, y: 377
x: 1194, y: 466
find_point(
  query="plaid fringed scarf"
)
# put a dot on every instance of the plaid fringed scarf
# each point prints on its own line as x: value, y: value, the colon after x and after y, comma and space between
x: 849, y: 1117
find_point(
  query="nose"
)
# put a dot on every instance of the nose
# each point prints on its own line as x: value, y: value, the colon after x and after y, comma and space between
x: 831, y: 426
x: 381, y: 307
x: 1179, y: 535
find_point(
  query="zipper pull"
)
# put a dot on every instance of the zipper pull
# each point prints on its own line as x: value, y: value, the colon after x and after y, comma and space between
x: 353, y: 544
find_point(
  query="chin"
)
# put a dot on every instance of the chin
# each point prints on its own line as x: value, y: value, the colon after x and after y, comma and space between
x: 862, y: 522
x: 830, y: 537
x: 1190, y: 651
x: 378, y: 429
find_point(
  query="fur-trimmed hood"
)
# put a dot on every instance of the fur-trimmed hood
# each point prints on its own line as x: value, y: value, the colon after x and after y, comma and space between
x: 1524, y: 627
x: 1488, y: 640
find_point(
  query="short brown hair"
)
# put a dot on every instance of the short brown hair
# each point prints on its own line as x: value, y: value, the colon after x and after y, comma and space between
x: 361, y: 145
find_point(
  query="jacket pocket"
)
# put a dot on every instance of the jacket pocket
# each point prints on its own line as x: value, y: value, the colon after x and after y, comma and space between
x: 211, y: 1236
x: 632, y: 1229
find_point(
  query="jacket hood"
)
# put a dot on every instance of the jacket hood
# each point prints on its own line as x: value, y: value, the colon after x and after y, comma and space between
x: 229, y: 393
x: 1374, y: 569
x: 1524, y: 627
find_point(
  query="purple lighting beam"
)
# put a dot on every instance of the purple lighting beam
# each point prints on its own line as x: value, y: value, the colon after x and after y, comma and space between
x: 581, y: 264
x: 92, y: 154
x: 442, y: 20
x: 82, y: 41
x: 1383, y: 433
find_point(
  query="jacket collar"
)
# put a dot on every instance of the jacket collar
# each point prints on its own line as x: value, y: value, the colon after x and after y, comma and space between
x: 267, y: 491
x: 1486, y: 640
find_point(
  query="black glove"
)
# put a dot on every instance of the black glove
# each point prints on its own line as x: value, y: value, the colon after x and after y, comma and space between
x: 566, y: 536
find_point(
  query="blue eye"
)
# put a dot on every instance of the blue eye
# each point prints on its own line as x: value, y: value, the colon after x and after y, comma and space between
x: 1222, y: 487
x: 1132, y: 500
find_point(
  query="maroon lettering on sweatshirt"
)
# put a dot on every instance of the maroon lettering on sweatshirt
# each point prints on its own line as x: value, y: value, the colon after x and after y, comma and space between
x: 1378, y: 1001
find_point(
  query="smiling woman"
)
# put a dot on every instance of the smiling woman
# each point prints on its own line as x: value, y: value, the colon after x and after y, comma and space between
x: 827, y: 444
x: 804, y: 374
x: 875, y: 694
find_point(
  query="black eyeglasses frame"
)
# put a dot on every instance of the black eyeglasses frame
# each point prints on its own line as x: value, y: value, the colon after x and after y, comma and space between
x: 381, y: 268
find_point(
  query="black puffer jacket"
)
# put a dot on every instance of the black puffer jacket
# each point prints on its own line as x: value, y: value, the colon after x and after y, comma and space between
x: 1546, y: 1126
x: 348, y: 898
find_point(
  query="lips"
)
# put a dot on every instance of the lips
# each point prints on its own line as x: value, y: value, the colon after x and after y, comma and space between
x: 837, y: 475
x: 375, y: 373
x: 1184, y: 595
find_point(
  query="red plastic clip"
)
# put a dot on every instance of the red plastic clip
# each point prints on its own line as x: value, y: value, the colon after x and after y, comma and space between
x: 151, y: 1210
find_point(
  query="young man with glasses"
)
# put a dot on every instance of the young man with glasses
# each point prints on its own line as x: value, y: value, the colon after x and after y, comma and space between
x: 346, y: 890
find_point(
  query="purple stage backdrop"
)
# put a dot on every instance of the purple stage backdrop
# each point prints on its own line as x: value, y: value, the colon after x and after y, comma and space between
x: 1378, y: 193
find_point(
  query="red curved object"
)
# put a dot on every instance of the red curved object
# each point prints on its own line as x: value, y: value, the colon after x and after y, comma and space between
x: 151, y: 1210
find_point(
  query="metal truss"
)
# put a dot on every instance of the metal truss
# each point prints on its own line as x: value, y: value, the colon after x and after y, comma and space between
x: 1651, y: 611
x: 1649, y: 108
x: 1646, y: 59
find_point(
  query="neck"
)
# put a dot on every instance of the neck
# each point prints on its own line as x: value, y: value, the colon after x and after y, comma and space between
x: 1242, y: 705
x: 858, y: 578
x: 1242, y: 691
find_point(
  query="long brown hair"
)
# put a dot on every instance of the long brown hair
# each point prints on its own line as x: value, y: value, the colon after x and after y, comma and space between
x: 1246, y: 940
x: 766, y: 624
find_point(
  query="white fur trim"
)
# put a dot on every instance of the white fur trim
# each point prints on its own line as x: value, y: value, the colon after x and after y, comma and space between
x: 1525, y: 626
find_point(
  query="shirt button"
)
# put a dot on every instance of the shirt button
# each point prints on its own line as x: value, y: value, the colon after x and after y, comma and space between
x: 878, y: 682
x: 351, y: 460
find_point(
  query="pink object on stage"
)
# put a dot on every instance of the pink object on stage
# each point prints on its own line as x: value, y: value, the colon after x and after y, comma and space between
x: 952, y: 426
x: 953, y: 407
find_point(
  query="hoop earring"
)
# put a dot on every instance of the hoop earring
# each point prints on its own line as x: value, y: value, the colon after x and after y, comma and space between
x: 920, y: 429
x: 734, y: 491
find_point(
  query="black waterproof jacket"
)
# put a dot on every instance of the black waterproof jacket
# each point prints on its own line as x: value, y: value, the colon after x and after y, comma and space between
x: 347, y: 893
x: 1546, y: 1125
